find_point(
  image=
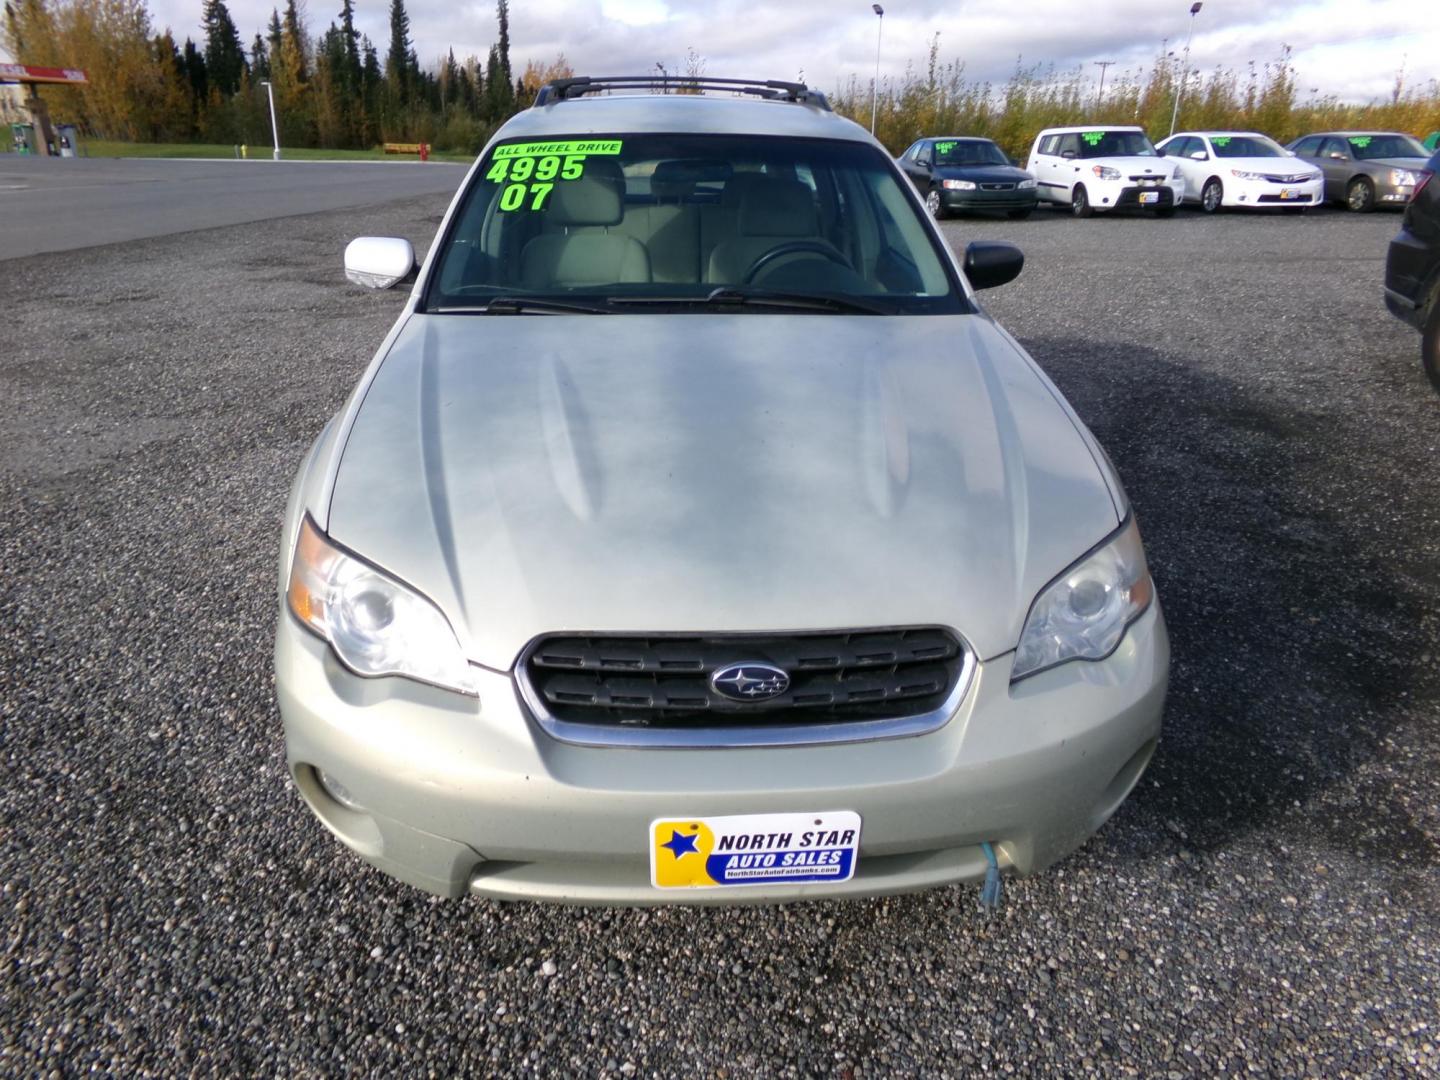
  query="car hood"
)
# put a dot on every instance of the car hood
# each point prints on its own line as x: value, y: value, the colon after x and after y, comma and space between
x: 1410, y: 164
x: 728, y: 472
x: 1136, y: 166
x: 1271, y: 166
x: 982, y: 174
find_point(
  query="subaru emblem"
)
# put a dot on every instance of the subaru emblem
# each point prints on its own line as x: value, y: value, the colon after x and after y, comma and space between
x: 750, y: 681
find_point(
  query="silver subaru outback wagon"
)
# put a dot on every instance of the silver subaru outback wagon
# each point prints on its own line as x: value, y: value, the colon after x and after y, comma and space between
x: 695, y: 537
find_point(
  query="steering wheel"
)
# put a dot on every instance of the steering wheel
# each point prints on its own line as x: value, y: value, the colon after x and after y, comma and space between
x: 794, y: 247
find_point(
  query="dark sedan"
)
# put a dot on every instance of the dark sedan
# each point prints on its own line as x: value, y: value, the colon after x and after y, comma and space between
x: 959, y: 174
x: 1412, y: 270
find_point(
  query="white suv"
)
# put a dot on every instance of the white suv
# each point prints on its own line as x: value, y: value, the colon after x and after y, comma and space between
x: 1104, y: 168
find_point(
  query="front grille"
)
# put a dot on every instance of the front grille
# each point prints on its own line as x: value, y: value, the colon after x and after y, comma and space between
x: 1298, y: 200
x: 997, y: 187
x: 1301, y: 179
x: 1147, y: 180
x: 662, y: 682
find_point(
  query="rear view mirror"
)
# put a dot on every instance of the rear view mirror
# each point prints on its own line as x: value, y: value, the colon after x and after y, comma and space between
x: 989, y: 263
x: 379, y: 262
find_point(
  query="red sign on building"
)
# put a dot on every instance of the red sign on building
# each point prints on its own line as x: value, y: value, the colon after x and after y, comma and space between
x: 26, y: 73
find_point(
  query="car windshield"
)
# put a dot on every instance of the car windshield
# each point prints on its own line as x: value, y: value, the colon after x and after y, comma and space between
x: 1374, y: 147
x: 1095, y: 144
x: 968, y: 152
x: 1245, y: 146
x: 623, y: 222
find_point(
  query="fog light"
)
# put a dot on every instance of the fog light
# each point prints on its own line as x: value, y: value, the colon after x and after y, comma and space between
x: 338, y: 791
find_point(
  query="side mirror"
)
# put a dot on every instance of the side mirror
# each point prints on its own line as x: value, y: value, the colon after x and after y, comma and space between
x: 1015, y: 162
x: 379, y: 262
x: 1199, y: 155
x: 1336, y: 155
x: 989, y: 263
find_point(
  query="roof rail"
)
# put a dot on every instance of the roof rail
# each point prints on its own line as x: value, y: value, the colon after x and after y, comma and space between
x: 565, y: 89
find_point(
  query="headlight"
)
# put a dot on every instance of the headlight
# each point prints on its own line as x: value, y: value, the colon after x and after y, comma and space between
x: 376, y: 625
x: 1105, y: 172
x: 1028, y: 182
x: 1403, y: 178
x: 1241, y: 174
x: 1082, y: 615
x: 958, y: 185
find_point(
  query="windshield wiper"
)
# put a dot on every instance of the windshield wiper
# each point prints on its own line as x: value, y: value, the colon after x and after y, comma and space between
x: 521, y: 305
x: 746, y: 297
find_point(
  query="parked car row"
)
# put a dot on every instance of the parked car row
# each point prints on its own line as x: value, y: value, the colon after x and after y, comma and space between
x: 1090, y: 169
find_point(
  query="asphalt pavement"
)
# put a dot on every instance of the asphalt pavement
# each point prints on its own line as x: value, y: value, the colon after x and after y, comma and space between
x: 61, y: 204
x: 1267, y: 901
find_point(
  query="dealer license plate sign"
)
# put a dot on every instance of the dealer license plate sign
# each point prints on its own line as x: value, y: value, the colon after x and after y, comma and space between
x: 1149, y: 196
x: 754, y: 849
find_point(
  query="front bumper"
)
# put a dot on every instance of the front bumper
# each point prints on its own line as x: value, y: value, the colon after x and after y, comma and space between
x: 1268, y: 195
x: 980, y: 199
x: 460, y: 796
x: 1388, y: 194
x: 1127, y: 195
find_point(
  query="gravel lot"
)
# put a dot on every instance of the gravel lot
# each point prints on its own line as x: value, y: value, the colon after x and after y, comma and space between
x: 1268, y: 901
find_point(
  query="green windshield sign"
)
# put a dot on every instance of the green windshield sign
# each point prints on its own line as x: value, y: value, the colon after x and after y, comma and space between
x: 1361, y: 141
x: 531, y: 170
x: 1221, y: 140
x: 1093, y: 137
x: 944, y: 147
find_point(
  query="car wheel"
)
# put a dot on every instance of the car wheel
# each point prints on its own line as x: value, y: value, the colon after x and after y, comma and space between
x: 1080, y: 202
x: 1019, y: 215
x: 934, y: 205
x: 1360, y: 195
x: 1212, y: 196
x: 1430, y: 345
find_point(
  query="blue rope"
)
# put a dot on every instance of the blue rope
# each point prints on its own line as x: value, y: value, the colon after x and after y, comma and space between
x: 991, y: 890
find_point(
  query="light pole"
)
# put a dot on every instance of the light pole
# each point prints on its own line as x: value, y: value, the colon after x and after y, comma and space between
x: 1184, y: 66
x: 1102, y: 65
x: 274, y: 127
x: 875, y: 86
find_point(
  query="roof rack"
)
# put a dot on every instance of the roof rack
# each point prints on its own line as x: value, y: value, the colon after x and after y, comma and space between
x: 565, y: 89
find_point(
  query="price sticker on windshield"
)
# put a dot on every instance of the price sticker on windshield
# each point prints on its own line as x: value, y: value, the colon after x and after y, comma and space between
x: 1093, y: 137
x: 1361, y: 141
x: 531, y: 170
x: 1221, y: 140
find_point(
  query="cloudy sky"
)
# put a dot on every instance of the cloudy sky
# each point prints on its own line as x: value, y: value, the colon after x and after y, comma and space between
x: 1353, y: 48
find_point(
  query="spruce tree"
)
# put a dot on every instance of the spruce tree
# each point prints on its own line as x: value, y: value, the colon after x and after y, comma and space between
x: 224, y: 59
x: 398, y: 59
x: 259, y: 57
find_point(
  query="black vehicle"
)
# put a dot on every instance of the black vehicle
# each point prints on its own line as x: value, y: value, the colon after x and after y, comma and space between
x: 954, y: 173
x: 1412, y: 270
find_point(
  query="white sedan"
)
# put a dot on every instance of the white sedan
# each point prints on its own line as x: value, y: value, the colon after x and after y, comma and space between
x: 1242, y: 168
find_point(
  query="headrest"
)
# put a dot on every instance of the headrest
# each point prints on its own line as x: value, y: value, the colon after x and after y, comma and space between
x: 597, y: 197
x: 736, y: 187
x: 677, y: 178
x: 779, y: 208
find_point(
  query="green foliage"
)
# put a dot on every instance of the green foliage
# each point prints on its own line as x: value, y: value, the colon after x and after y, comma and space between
x: 942, y: 101
x: 332, y: 90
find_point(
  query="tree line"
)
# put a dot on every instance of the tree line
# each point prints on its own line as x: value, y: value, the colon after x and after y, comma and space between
x: 936, y: 98
x: 336, y: 89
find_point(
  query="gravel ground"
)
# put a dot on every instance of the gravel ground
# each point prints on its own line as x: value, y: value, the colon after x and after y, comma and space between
x: 1268, y: 900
